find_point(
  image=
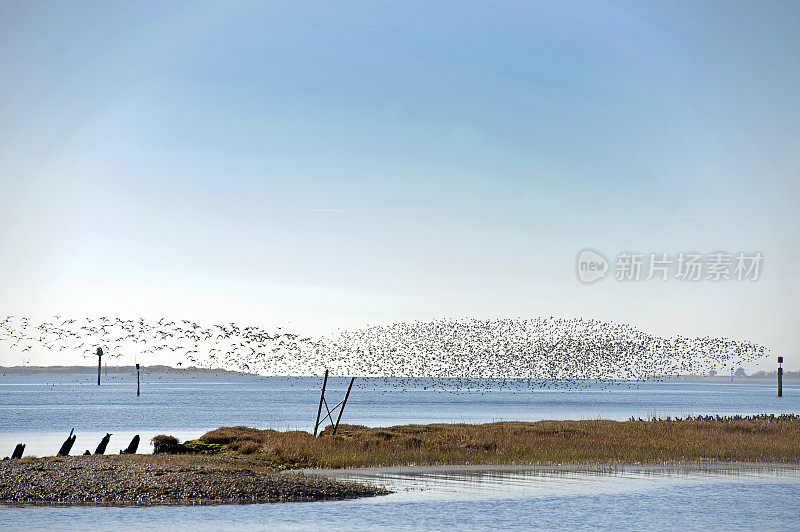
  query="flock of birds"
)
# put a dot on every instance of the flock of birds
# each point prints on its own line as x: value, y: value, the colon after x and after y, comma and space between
x: 446, y: 354
x: 227, y: 346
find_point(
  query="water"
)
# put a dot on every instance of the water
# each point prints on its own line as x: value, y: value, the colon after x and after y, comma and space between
x: 489, y: 500
x: 40, y: 411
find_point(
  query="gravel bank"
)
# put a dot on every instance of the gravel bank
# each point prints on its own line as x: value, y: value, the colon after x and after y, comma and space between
x: 154, y: 479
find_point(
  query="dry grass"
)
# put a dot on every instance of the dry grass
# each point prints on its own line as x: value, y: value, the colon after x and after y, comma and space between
x: 596, y: 441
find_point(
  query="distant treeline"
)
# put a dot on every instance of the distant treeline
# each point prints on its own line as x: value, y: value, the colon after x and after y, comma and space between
x: 774, y: 374
x: 112, y: 370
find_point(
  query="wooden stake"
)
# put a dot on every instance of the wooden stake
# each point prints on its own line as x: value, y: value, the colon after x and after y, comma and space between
x: 138, y: 392
x: 66, y: 447
x: 321, y: 398
x: 18, y: 450
x: 132, y: 446
x: 101, y: 447
x: 344, y: 402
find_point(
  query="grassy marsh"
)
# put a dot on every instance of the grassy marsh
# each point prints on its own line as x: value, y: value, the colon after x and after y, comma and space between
x: 751, y: 439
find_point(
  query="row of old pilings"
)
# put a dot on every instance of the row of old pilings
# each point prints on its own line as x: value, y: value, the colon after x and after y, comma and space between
x: 66, y: 447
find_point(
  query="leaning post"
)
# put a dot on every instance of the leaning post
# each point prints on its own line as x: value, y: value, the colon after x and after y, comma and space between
x: 321, y: 398
x: 344, y: 402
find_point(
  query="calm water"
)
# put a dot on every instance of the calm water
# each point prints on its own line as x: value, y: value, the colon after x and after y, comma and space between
x: 40, y: 411
x: 491, y: 500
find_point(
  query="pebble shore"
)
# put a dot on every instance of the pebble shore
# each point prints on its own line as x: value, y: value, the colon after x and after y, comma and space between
x: 123, y: 480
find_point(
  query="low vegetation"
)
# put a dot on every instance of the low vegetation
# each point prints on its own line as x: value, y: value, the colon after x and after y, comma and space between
x: 163, y: 444
x: 749, y: 439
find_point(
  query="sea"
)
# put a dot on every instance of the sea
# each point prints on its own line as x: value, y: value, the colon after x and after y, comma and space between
x: 41, y: 410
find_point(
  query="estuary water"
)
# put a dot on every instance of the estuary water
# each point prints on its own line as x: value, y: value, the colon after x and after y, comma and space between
x: 41, y: 410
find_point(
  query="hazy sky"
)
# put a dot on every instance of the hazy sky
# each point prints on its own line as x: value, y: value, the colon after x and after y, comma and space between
x: 343, y: 164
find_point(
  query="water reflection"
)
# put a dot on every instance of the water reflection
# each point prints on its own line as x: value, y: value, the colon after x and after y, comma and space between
x: 674, y: 497
x: 495, y: 481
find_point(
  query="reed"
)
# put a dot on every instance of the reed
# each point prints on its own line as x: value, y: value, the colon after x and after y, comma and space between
x: 759, y: 439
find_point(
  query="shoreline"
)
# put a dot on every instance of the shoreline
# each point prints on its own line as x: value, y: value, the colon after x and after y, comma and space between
x: 240, y: 465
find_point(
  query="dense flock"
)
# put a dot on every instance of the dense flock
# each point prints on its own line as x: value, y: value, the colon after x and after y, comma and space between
x: 532, y: 352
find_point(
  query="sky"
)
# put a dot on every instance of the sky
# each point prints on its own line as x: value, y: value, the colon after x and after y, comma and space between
x: 326, y: 166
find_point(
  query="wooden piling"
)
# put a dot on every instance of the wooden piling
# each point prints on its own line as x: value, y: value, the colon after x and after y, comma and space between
x: 66, y: 447
x: 132, y: 446
x: 18, y: 450
x: 780, y: 377
x: 138, y: 391
x: 321, y: 399
x: 344, y: 402
x: 101, y: 447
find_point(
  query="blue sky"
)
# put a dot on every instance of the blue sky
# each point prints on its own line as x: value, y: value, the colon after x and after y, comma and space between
x: 328, y: 166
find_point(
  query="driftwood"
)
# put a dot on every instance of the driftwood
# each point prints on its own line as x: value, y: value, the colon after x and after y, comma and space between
x: 67, y: 445
x: 18, y: 450
x: 132, y: 447
x: 101, y: 447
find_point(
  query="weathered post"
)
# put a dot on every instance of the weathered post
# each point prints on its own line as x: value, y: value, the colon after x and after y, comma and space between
x: 137, y: 381
x: 99, y: 365
x: 132, y: 446
x: 101, y: 447
x: 66, y: 447
x: 344, y: 402
x: 18, y: 450
x: 780, y: 377
x: 321, y: 399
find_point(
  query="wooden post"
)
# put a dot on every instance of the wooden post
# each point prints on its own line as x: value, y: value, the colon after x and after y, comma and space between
x: 99, y: 364
x: 101, y: 447
x: 321, y: 398
x: 138, y: 391
x: 780, y: 377
x: 18, y: 450
x: 132, y: 446
x: 66, y: 447
x: 339, y: 417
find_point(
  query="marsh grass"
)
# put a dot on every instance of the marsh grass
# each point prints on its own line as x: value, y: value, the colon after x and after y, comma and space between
x: 590, y: 441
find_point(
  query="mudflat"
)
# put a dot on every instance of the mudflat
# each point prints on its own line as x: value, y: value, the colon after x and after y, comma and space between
x: 122, y: 480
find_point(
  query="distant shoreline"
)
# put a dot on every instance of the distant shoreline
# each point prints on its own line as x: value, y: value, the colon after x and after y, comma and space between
x: 161, y: 369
